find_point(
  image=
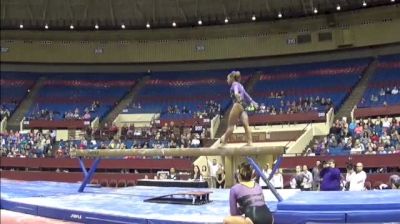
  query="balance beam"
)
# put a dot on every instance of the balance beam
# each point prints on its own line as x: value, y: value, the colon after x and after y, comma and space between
x: 238, y: 151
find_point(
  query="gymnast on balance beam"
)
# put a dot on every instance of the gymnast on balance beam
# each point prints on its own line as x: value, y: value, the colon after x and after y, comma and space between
x: 241, y: 100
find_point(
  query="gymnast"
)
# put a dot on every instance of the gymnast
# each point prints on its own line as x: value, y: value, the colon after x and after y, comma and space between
x: 241, y: 100
x: 249, y: 196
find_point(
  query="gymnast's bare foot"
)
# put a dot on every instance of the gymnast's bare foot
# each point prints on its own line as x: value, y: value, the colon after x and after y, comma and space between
x: 249, y: 144
x: 222, y: 143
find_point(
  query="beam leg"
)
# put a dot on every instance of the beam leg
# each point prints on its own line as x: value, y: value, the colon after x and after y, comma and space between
x: 276, y: 167
x: 261, y: 174
x: 89, y: 175
x: 229, y: 171
x: 82, y: 166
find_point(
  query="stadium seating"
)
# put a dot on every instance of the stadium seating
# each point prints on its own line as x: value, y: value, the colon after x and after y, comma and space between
x: 386, y: 76
x: 333, y: 79
x: 14, y: 87
x: 66, y: 92
x: 184, y: 89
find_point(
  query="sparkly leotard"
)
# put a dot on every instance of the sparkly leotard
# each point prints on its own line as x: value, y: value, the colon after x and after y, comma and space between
x: 238, y: 88
x: 251, y: 203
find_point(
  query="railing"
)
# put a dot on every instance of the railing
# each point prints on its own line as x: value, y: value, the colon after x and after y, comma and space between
x: 376, y: 111
x: 302, y: 141
x: 95, y: 123
x: 214, y: 125
x: 67, y: 163
x: 3, y: 125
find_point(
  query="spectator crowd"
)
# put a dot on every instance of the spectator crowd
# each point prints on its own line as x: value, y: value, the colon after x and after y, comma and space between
x: 287, y: 106
x: 76, y: 114
x: 380, y: 136
x: 31, y: 145
x: 380, y: 96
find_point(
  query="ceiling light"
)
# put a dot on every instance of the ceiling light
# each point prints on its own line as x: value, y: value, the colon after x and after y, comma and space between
x: 46, y: 27
x: 21, y: 26
x: 148, y: 25
x: 96, y: 27
x: 71, y: 27
x: 200, y: 22
x: 338, y: 8
x: 253, y: 18
x: 226, y: 20
x: 174, y: 24
x: 315, y: 10
x: 364, y: 3
x: 392, y: 0
x: 122, y: 26
x: 279, y: 15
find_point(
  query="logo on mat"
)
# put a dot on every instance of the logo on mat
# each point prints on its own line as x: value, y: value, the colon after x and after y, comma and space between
x: 76, y: 216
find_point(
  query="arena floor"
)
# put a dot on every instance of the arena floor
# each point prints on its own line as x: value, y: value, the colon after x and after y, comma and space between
x: 125, y: 205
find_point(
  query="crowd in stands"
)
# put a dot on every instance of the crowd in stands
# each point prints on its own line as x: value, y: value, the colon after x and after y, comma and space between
x: 208, y: 109
x: 30, y: 145
x: 169, y: 135
x: 380, y: 96
x: 325, y: 176
x: 380, y: 136
x: 76, y: 114
x: 39, y: 144
x: 286, y: 106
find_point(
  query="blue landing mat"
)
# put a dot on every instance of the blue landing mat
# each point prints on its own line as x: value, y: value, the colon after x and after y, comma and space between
x: 125, y: 205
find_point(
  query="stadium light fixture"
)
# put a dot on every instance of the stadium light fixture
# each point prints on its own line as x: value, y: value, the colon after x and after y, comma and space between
x: 364, y: 4
x: 338, y: 8
x: 21, y: 26
x: 71, y: 27
x: 315, y: 10
x: 280, y: 15
x: 173, y: 24
x: 253, y: 18
x: 392, y: 0
x: 46, y: 26
x: 148, y: 25
x: 96, y: 27
x: 123, y: 26
x: 200, y: 22
x: 226, y: 20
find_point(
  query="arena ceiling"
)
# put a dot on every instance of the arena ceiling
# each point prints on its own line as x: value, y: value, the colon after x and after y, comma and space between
x: 136, y: 14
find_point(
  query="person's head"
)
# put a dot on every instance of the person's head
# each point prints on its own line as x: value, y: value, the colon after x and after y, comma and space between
x: 350, y: 168
x: 245, y: 172
x: 172, y: 170
x: 204, y: 168
x: 196, y: 169
x: 359, y: 167
x: 234, y: 76
x: 305, y: 168
x: 298, y: 169
x: 394, y: 181
x: 317, y: 163
x: 266, y: 166
x: 331, y: 163
x: 214, y: 162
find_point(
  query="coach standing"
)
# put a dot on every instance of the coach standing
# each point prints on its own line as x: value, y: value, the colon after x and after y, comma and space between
x: 330, y: 176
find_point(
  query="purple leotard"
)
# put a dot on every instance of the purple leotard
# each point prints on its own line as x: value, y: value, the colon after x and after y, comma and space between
x: 251, y: 203
x: 238, y: 88
x: 246, y: 197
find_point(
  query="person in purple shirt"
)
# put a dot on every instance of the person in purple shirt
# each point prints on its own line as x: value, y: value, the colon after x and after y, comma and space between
x: 330, y: 177
x: 246, y: 201
x: 241, y: 100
